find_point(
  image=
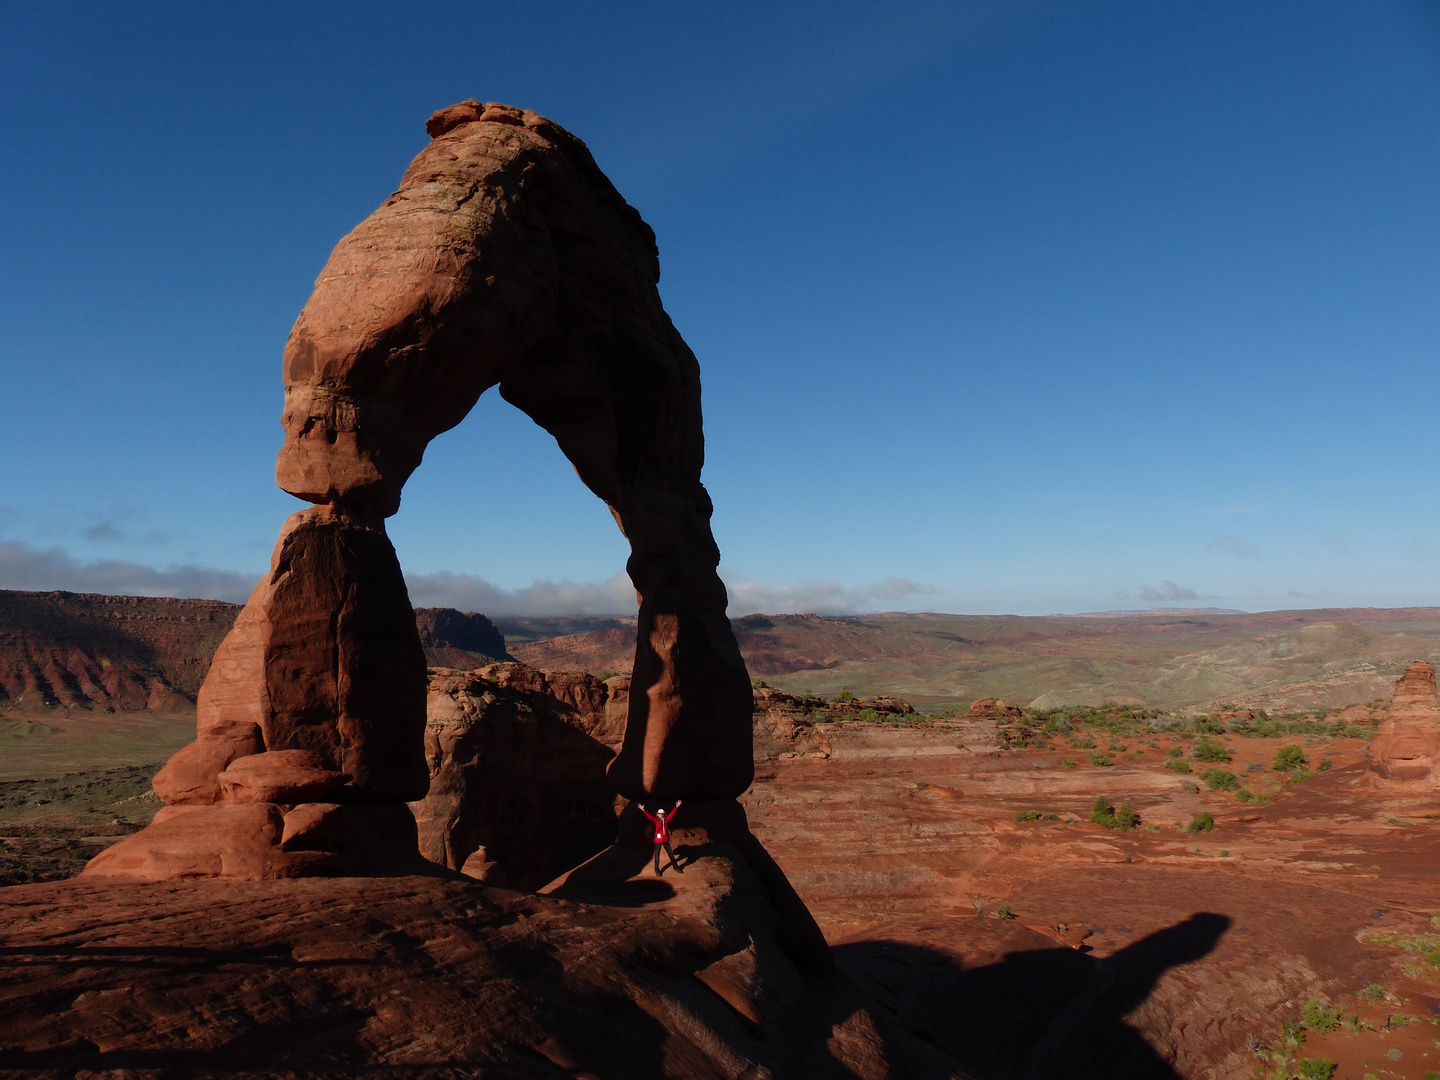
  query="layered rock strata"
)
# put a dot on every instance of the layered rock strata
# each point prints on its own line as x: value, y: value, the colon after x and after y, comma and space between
x: 1406, y: 746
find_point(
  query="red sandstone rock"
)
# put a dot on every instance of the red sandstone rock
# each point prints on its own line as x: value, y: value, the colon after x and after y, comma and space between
x: 192, y: 775
x: 994, y: 707
x: 506, y: 257
x: 1406, y: 746
x: 517, y: 771
x: 281, y: 776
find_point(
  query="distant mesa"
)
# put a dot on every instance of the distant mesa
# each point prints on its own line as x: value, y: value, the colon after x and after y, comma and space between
x: 453, y: 638
x: 1406, y: 746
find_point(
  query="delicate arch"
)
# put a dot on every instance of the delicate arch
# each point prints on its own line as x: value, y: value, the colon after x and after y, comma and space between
x: 506, y: 258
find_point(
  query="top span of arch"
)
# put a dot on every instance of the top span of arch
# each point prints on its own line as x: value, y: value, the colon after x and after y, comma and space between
x: 506, y: 256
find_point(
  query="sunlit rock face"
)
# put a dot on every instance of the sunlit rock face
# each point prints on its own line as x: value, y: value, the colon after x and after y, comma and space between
x: 1407, y: 743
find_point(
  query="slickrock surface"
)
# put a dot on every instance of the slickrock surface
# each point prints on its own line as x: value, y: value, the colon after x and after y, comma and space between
x: 697, y: 975
x: 1188, y: 943
x: 517, y: 771
x: 1407, y: 745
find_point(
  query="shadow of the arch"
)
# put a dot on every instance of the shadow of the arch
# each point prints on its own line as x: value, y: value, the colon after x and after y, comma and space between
x: 1045, y: 1014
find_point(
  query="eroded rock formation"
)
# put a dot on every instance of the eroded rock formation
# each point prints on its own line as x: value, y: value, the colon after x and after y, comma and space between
x: 517, y: 771
x: 505, y: 258
x: 1406, y: 746
x: 310, y: 724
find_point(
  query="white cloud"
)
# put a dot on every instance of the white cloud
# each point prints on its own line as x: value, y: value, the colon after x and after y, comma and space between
x: 29, y: 568
x: 615, y: 596
x: 25, y: 567
x: 818, y: 597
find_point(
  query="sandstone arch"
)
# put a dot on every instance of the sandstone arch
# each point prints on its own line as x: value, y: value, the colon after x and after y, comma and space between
x: 505, y: 258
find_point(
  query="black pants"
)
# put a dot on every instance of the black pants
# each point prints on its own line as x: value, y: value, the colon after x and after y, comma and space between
x: 669, y: 854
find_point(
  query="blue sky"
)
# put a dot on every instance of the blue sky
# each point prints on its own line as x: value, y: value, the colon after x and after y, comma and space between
x: 1007, y: 307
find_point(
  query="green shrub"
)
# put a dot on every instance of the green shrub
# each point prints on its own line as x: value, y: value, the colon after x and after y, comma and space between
x: 1126, y: 818
x: 1220, y: 779
x: 1201, y: 822
x: 1315, y: 1068
x: 1175, y: 751
x: 1326, y: 765
x: 1176, y: 765
x: 1207, y: 749
x: 845, y: 695
x: 1028, y: 815
x: 1191, y: 788
x: 1102, y: 813
x: 1004, y: 912
x: 1066, y: 763
x: 1373, y: 992
x: 1317, y: 1016
x: 1245, y: 795
x: 1101, y: 760
x: 1289, y: 757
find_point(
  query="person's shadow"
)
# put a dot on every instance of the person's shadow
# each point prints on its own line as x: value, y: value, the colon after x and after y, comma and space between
x: 1045, y: 1014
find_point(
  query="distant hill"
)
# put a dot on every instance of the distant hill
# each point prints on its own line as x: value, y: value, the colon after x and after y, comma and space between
x: 1278, y: 660
x: 107, y: 652
x: 123, y: 653
x: 83, y: 651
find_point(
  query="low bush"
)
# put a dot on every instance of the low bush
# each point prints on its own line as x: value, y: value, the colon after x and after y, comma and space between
x: 1315, y: 1068
x: 1245, y: 795
x: 1004, y: 912
x: 1201, y: 822
x: 1288, y: 759
x: 1317, y: 1016
x: 1126, y: 818
x: 1100, y: 761
x: 1220, y: 779
x: 1207, y: 749
x: 1175, y: 751
x: 1102, y: 813
x: 1028, y: 815
x: 1176, y: 765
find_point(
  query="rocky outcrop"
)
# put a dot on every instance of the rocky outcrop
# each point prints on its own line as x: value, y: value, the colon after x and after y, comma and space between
x: 989, y: 708
x: 517, y: 763
x: 1406, y: 746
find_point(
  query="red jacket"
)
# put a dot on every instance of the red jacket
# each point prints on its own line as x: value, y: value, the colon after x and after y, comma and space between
x: 662, y: 822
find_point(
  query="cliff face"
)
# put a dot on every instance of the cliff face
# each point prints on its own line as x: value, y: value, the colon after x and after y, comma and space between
x: 123, y: 653
x: 81, y: 650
